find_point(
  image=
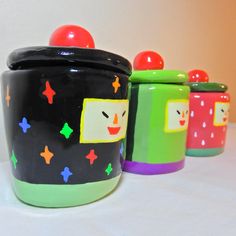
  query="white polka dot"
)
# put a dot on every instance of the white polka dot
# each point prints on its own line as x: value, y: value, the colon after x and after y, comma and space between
x: 212, y: 135
x: 195, y: 134
x: 202, y: 103
x: 222, y: 141
x: 203, y: 142
x: 192, y: 114
x: 211, y: 111
x: 224, y: 129
x: 204, y: 125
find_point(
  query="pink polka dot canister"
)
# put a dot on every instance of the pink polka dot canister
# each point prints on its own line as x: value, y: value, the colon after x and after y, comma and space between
x: 209, y: 114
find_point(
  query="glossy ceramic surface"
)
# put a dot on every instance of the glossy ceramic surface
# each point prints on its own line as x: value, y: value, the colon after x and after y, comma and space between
x: 148, y: 60
x: 28, y: 57
x: 159, y: 76
x: 208, y: 120
x: 71, y: 35
x: 157, y: 127
x: 64, y: 126
x: 197, y: 76
x: 207, y: 87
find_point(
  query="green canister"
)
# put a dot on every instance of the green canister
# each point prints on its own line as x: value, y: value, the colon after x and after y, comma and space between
x: 158, y: 117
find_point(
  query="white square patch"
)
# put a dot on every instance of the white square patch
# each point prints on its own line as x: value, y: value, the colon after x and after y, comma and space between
x: 177, y: 115
x: 103, y: 120
x: 221, y: 113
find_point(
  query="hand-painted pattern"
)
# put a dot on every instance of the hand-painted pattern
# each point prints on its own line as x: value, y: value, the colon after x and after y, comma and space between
x: 208, y: 120
x: 66, y: 131
x: 115, y: 120
x: 14, y: 159
x: 49, y: 92
x: 116, y: 84
x: 122, y: 148
x: 91, y: 156
x: 24, y: 125
x: 177, y: 115
x: 47, y: 155
x: 109, y: 169
x: 221, y: 114
x: 66, y: 173
x: 111, y: 120
x: 8, y: 97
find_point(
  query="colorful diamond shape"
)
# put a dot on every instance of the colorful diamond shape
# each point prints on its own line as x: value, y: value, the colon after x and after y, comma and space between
x: 66, y: 130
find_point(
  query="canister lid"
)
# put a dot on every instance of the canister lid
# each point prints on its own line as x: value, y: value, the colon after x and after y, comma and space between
x: 148, y: 68
x: 159, y: 76
x: 51, y: 56
x: 207, y: 87
x: 199, y: 82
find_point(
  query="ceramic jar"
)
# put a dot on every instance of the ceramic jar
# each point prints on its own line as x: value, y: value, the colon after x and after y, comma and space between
x: 209, y: 113
x: 65, y: 112
x: 158, y: 120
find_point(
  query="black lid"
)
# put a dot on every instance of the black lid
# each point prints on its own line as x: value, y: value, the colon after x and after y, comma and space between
x: 48, y: 56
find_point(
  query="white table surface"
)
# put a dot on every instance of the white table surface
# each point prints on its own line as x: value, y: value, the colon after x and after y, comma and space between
x: 199, y: 200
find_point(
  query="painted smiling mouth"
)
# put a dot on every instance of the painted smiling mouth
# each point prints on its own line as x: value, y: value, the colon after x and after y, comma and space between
x: 113, y: 130
x: 182, y: 122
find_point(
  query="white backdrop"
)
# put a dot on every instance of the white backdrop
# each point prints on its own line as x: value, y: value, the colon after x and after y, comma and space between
x: 188, y: 34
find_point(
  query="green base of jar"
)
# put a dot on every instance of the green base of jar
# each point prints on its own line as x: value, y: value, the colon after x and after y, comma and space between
x: 50, y: 195
x: 204, y: 152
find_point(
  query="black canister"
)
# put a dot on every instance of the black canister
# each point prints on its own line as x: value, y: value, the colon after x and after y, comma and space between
x: 65, y: 112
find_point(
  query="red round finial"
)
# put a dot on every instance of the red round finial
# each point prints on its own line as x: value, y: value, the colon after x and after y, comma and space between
x: 148, y: 60
x: 71, y: 35
x: 198, y: 76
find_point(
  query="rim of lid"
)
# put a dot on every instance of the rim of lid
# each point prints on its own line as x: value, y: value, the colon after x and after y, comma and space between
x: 29, y: 57
x: 207, y: 87
x: 159, y: 76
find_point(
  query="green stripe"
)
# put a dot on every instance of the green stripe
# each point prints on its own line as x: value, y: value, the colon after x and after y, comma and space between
x: 50, y: 195
x: 142, y: 137
x: 133, y: 104
x: 204, y: 152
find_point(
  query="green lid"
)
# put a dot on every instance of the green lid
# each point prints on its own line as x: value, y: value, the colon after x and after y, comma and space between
x: 207, y: 87
x: 158, y: 76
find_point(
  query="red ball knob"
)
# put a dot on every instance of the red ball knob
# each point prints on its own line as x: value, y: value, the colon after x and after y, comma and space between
x: 148, y: 60
x: 71, y: 35
x: 198, y: 76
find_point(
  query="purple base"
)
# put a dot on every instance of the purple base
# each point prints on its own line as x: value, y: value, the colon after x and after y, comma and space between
x: 152, y: 169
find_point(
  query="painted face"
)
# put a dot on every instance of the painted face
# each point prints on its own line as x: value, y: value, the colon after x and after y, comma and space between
x: 103, y: 120
x: 221, y: 113
x: 177, y: 114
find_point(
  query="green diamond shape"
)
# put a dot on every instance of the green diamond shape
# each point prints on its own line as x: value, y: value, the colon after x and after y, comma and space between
x: 13, y: 159
x: 66, y: 130
x: 109, y: 169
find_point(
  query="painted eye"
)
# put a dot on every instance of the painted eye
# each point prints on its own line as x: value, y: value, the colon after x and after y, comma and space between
x: 178, y: 112
x: 123, y: 113
x: 105, y: 114
x: 187, y: 112
x: 222, y: 110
